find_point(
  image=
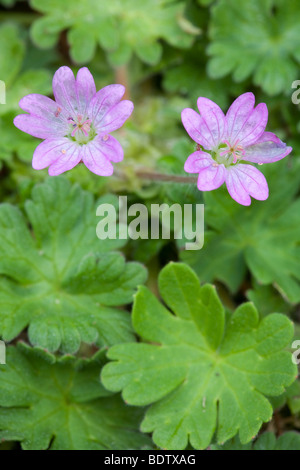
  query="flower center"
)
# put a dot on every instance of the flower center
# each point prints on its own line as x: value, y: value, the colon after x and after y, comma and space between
x: 81, y: 129
x: 229, y: 154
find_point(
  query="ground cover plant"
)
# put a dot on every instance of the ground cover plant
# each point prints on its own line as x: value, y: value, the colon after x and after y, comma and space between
x: 149, y: 225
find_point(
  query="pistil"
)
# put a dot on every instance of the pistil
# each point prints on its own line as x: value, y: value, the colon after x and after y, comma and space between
x: 235, y: 150
x: 80, y: 125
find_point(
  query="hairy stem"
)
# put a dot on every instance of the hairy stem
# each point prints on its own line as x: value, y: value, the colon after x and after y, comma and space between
x: 155, y: 176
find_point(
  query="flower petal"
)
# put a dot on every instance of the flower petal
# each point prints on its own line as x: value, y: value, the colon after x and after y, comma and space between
x: 104, y: 100
x: 64, y: 90
x: 254, y: 127
x: 110, y: 147
x: 50, y: 151
x: 115, y: 117
x: 46, y: 118
x: 60, y: 154
x: 214, y: 119
x: 43, y: 107
x: 244, y: 181
x: 211, y: 174
x: 245, y: 125
x: 97, y: 155
x: 85, y: 89
x: 211, y: 177
x: 67, y: 161
x: 269, y: 137
x: 197, y: 161
x: 268, y: 149
x: 73, y: 95
x: 238, y: 114
x: 37, y: 127
x: 197, y: 128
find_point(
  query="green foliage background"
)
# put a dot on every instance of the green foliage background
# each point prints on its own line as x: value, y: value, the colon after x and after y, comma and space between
x: 66, y: 297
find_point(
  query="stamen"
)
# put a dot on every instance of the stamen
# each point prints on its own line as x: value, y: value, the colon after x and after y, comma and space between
x: 236, y: 150
x: 240, y: 149
x: 81, y: 129
x: 234, y: 157
x: 84, y: 126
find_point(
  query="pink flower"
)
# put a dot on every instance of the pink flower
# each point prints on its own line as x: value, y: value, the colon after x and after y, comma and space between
x: 76, y: 126
x: 228, y: 143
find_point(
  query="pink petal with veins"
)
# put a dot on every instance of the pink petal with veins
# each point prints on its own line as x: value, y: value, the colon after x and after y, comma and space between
x: 197, y: 161
x: 213, y: 118
x: 211, y: 177
x: 244, y: 181
x: 197, y: 128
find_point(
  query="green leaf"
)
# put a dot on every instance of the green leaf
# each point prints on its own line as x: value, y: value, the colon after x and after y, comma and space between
x: 205, y: 3
x: 109, y: 33
x: 62, y: 282
x: 130, y: 25
x: 184, y: 74
x: 178, y: 291
x: 60, y: 404
x: 120, y: 56
x: 37, y: 80
x: 293, y: 397
x: 83, y: 44
x: 19, y: 81
x: 13, y: 50
x: 268, y: 300
x: 150, y: 53
x: 267, y: 441
x: 287, y: 441
x: 263, y: 237
x: 45, y: 31
x: 8, y: 3
x: 13, y: 141
x: 200, y: 371
x: 254, y: 37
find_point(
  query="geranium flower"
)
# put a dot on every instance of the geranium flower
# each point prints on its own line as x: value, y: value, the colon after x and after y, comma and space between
x: 227, y: 145
x: 77, y: 125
